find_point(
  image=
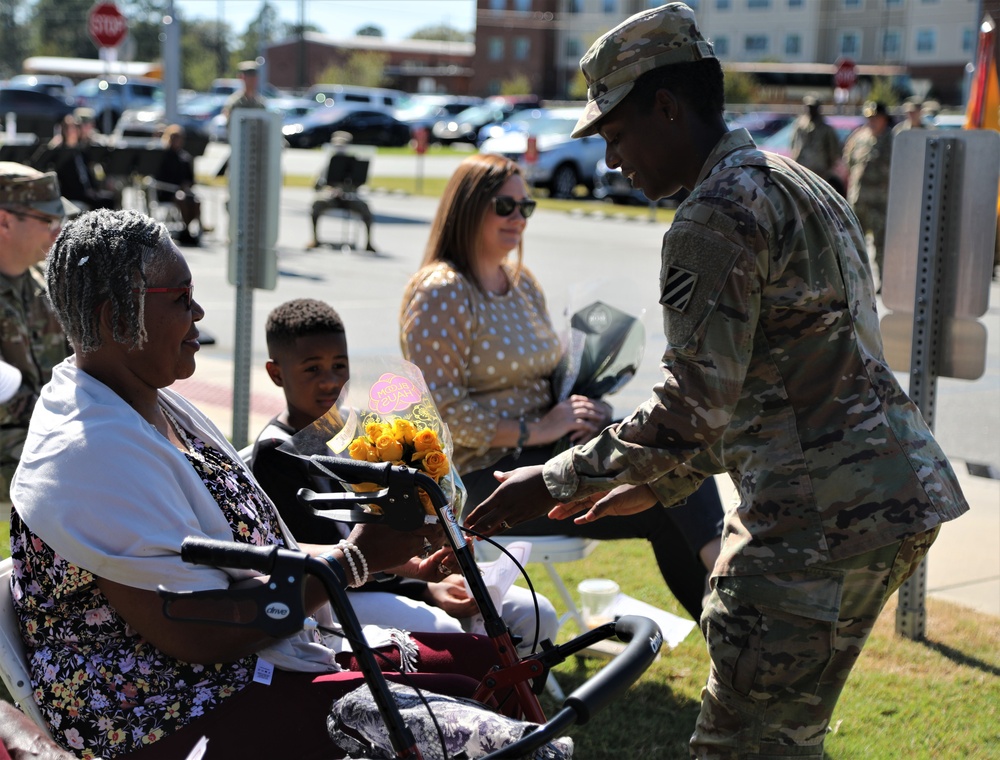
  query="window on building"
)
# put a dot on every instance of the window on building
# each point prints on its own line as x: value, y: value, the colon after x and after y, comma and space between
x: 926, y: 41
x: 573, y: 48
x: 522, y: 46
x: 795, y: 3
x: 493, y: 87
x: 576, y: 6
x: 892, y: 43
x: 793, y: 45
x: 850, y: 44
x: 522, y: 5
x: 693, y: 4
x: 852, y: 4
x: 752, y: 4
x: 498, y: 5
x: 496, y: 48
x: 968, y: 40
x: 893, y: 3
x: 722, y: 5
x: 721, y: 46
x: 755, y: 43
x: 610, y: 6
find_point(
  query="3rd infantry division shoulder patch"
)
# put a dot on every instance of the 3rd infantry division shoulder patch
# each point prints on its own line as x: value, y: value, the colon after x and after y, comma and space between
x: 678, y: 287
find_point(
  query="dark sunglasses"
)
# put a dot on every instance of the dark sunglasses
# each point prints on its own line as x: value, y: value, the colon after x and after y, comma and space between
x: 504, y: 205
x: 187, y: 290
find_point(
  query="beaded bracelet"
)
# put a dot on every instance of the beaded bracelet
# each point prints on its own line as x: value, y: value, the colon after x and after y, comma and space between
x: 349, y: 549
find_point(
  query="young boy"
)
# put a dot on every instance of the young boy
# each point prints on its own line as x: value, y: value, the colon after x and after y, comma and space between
x: 308, y: 348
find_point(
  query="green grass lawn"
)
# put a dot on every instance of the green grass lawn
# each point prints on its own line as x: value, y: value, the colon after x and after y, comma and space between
x: 932, y: 700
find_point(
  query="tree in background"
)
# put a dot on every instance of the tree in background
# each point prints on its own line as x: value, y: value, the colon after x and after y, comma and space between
x: 204, y: 53
x: 362, y: 69
x: 264, y: 29
x: 740, y: 87
x: 519, y: 84
x: 370, y: 30
x: 13, y: 45
x: 441, y: 32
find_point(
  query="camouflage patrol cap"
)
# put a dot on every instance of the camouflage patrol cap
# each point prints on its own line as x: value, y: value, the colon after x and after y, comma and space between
x: 22, y: 185
x: 646, y: 41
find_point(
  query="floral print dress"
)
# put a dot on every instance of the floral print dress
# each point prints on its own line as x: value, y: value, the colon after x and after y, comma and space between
x: 105, y: 690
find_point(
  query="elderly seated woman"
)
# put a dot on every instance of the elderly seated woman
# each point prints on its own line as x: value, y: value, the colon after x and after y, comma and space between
x: 117, y: 470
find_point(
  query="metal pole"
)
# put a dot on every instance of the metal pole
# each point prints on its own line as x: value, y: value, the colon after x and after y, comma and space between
x: 248, y: 241
x: 911, y: 616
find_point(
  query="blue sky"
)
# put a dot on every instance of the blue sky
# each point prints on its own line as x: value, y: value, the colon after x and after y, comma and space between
x: 341, y: 18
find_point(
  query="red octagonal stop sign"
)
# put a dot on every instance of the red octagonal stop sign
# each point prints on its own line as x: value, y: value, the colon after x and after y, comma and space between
x: 846, y: 74
x: 106, y: 25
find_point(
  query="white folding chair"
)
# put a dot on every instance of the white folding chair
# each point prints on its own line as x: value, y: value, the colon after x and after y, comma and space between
x: 13, y: 662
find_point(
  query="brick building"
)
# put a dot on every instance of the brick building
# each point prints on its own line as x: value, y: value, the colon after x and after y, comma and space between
x: 412, y: 65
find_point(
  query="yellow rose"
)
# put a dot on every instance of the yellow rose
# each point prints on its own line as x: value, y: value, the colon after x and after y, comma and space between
x: 435, y: 464
x: 403, y: 430
x: 426, y: 440
x: 374, y: 430
x: 362, y: 450
x: 389, y: 449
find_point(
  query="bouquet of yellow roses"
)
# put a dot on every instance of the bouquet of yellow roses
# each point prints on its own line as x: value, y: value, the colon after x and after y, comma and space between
x: 385, y: 413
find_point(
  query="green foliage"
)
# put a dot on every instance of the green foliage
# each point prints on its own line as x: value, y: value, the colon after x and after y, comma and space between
x: 370, y: 30
x: 578, y: 87
x: 362, y: 69
x: 441, y: 32
x: 266, y: 28
x: 740, y: 87
x: 205, y: 47
x: 519, y: 84
x: 883, y: 90
x: 13, y: 45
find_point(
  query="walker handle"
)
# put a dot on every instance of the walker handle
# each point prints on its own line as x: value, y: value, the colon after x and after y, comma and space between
x: 207, y: 551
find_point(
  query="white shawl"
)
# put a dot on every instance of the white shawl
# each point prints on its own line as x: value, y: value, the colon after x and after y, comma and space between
x: 110, y: 494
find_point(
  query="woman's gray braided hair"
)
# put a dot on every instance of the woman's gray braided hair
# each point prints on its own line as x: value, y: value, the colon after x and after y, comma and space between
x: 100, y: 256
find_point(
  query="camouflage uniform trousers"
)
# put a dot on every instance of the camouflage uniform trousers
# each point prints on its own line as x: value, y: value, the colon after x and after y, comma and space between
x: 873, y: 219
x: 782, y: 646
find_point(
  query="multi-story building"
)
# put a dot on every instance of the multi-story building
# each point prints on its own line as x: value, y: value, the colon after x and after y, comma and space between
x: 411, y: 65
x: 934, y: 40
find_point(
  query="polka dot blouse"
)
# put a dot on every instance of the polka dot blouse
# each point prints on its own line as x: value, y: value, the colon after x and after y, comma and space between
x: 485, y: 357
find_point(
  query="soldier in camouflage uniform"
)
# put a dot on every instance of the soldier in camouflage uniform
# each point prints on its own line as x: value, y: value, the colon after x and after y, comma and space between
x: 867, y: 153
x: 773, y: 373
x: 815, y: 144
x: 31, y: 215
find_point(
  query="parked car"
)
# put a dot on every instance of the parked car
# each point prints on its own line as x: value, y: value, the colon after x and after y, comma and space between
x: 426, y: 110
x: 193, y: 114
x: 465, y: 126
x: 291, y: 109
x: 761, y: 124
x: 109, y: 98
x: 561, y: 163
x: 59, y: 86
x: 36, y: 112
x: 366, y: 127
x: 612, y: 185
x: 349, y: 96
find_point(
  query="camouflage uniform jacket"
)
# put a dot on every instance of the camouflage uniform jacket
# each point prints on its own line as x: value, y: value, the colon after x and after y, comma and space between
x: 815, y: 145
x: 32, y: 340
x: 868, y: 158
x: 774, y: 373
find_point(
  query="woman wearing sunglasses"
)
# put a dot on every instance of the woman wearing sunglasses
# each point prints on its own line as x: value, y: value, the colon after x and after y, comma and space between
x: 116, y: 472
x: 474, y: 321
